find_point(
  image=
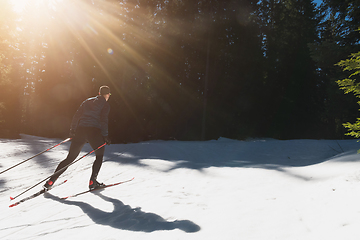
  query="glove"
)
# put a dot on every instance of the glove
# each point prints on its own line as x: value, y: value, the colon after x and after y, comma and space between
x: 107, y: 140
x: 72, y: 133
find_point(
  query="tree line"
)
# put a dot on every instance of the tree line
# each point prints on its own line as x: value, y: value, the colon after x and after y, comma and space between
x: 183, y: 69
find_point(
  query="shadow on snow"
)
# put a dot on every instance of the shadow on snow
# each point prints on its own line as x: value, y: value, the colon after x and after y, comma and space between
x: 268, y: 154
x: 126, y: 218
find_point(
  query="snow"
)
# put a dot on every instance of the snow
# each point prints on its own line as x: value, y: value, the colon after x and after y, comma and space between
x: 220, y: 189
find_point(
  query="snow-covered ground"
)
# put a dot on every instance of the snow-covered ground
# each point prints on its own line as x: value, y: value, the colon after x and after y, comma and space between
x: 221, y: 189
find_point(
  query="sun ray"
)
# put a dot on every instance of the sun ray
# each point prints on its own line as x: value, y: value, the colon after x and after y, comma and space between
x: 95, y: 25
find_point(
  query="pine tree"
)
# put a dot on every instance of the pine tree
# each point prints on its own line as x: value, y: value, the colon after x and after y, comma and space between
x: 10, y: 86
x: 290, y: 105
x: 351, y: 85
x: 338, y: 38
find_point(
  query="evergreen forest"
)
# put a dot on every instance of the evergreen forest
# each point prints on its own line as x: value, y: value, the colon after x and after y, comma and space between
x: 179, y: 69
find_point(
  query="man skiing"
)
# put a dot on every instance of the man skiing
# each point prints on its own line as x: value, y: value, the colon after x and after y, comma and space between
x: 89, y: 124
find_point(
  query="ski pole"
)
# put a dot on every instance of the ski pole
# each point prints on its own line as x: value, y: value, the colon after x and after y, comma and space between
x: 66, y: 140
x: 12, y: 198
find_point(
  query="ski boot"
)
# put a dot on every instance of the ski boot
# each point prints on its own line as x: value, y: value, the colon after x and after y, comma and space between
x: 93, y: 184
x: 48, y: 185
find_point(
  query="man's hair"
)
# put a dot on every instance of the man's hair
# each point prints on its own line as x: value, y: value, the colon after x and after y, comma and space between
x: 104, y: 90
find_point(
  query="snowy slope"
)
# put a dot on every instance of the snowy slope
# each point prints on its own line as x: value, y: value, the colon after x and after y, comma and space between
x: 220, y: 189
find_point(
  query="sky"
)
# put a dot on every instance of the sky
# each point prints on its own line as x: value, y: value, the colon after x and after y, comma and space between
x: 317, y: 1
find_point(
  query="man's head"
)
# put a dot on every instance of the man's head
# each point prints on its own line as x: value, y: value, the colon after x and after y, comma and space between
x: 105, y: 92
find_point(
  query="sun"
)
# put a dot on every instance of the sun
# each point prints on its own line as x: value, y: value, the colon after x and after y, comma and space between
x: 18, y: 5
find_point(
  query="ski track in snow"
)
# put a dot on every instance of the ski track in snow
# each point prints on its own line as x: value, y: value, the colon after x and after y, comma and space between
x: 254, y: 189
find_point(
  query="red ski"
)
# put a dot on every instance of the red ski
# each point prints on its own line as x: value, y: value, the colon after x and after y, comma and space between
x: 42, y: 191
x: 99, y: 188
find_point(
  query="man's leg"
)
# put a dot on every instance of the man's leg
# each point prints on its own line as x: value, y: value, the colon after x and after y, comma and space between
x: 96, y: 140
x: 96, y: 167
x: 76, y: 145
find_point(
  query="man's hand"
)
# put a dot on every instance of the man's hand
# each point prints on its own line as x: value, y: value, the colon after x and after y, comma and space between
x: 107, y: 140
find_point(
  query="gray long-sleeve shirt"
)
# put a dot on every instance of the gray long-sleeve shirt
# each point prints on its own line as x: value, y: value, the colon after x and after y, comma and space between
x: 93, y: 112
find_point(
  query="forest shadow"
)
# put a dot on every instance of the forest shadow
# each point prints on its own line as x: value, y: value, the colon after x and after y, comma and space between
x: 127, y: 218
x: 266, y: 154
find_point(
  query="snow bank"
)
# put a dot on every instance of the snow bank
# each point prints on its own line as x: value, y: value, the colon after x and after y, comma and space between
x: 229, y: 189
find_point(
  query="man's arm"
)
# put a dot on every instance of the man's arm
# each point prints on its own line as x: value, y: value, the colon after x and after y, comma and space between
x: 76, y: 118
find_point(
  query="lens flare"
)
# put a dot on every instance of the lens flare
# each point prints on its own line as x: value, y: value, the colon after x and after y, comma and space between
x: 110, y: 51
